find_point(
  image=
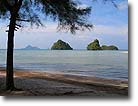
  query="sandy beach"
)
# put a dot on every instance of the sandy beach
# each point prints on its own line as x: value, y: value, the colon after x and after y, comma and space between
x: 33, y: 83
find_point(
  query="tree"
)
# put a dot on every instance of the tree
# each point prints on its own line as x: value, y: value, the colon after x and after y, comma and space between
x: 94, y: 45
x: 67, y: 13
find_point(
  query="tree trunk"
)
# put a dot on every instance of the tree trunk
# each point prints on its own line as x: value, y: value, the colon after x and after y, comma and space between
x: 10, y: 47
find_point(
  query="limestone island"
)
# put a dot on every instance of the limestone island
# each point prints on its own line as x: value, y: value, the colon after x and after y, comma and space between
x: 61, y: 45
x: 95, y: 45
x: 112, y: 47
x: 29, y: 47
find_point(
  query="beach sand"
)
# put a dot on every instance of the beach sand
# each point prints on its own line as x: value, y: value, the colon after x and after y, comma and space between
x: 33, y: 83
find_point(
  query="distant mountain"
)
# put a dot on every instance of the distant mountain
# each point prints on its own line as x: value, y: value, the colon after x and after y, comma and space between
x: 29, y: 47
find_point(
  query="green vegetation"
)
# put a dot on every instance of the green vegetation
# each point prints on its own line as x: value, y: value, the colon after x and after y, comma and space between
x: 61, y: 45
x: 112, y: 47
x: 94, y: 45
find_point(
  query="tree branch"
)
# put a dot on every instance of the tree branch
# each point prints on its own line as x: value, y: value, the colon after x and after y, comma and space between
x: 18, y: 25
x: 19, y: 4
x: 22, y: 20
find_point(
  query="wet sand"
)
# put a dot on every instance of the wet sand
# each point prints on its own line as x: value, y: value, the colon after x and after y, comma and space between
x: 33, y: 83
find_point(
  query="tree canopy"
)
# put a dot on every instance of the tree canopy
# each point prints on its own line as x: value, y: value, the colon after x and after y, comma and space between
x: 67, y: 13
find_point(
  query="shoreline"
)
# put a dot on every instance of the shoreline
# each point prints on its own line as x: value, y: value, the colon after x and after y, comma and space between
x: 66, y: 73
x: 99, y: 85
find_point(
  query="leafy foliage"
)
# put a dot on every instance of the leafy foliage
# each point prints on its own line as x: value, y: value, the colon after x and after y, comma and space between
x: 67, y: 13
x: 94, y: 45
x: 61, y: 45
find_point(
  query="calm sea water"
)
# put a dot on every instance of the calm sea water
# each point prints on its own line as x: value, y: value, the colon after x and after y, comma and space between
x: 105, y: 64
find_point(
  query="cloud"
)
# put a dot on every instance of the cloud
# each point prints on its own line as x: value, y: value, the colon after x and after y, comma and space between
x: 97, y: 30
x: 82, y: 6
x: 123, y: 5
x: 49, y: 28
x: 111, y: 30
x: 3, y: 28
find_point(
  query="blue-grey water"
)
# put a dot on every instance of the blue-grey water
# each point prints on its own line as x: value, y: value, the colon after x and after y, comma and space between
x: 105, y: 64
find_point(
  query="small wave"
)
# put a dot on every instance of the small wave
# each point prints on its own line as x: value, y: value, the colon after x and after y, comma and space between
x: 125, y: 52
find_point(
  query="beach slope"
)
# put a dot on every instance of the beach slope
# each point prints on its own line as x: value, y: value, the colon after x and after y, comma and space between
x: 33, y: 83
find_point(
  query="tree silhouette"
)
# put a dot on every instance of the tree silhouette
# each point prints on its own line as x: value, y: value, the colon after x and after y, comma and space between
x: 67, y: 13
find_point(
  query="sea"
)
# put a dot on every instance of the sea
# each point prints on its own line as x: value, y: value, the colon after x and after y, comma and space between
x: 103, y: 64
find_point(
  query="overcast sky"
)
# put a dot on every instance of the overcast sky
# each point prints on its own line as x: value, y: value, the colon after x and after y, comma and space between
x: 110, y: 27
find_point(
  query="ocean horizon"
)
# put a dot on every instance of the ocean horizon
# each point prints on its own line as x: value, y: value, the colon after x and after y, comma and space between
x: 103, y: 64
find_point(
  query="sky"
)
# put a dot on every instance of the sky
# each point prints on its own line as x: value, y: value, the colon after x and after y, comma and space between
x: 110, y: 28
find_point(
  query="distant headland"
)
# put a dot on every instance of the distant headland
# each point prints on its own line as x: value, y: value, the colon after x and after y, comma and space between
x: 29, y: 47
